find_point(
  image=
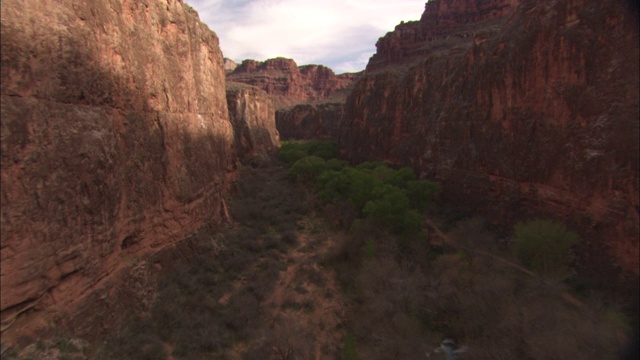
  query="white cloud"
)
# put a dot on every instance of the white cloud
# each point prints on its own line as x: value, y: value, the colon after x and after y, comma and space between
x: 340, y: 34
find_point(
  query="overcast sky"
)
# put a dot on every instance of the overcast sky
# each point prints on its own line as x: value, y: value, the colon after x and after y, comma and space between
x: 340, y: 34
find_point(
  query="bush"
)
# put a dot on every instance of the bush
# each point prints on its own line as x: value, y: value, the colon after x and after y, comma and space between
x: 421, y: 192
x: 389, y: 207
x: 401, y: 177
x: 349, y: 351
x: 387, y: 197
x: 324, y: 149
x: 361, y: 186
x: 332, y: 184
x: 308, y: 168
x: 544, y: 245
x: 370, y: 165
x: 292, y: 151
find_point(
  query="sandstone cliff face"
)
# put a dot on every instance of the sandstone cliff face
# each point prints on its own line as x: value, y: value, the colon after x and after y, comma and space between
x: 519, y: 108
x: 310, y: 121
x: 253, y: 117
x: 289, y: 84
x: 229, y: 65
x: 116, y: 142
x: 444, y: 26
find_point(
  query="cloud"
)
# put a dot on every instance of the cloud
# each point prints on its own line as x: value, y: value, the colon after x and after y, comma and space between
x: 340, y: 34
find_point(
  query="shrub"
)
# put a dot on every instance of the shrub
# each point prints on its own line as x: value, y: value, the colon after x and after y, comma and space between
x: 335, y: 164
x: 349, y: 351
x: 332, y: 184
x: 544, y: 245
x: 291, y: 152
x: 389, y: 207
x: 401, y: 177
x: 324, y: 149
x: 361, y: 186
x: 289, y: 237
x: 308, y: 168
x: 370, y: 165
x: 421, y: 192
x: 383, y: 173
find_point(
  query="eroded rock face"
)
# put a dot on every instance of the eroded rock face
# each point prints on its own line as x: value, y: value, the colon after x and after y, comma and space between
x: 289, y: 84
x: 519, y: 108
x: 116, y: 143
x: 253, y: 117
x: 229, y: 65
x: 445, y: 25
x: 310, y: 121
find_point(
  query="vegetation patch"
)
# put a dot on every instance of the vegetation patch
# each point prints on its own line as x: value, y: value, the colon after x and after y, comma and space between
x: 397, y: 284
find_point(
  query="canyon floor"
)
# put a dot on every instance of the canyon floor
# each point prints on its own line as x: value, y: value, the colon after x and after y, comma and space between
x: 285, y: 280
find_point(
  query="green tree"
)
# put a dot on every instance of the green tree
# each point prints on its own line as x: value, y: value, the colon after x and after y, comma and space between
x: 389, y: 207
x: 402, y: 176
x: 332, y: 184
x: 361, y: 186
x: 421, y: 192
x: 370, y: 165
x: 308, y: 168
x: 544, y: 246
x: 291, y: 151
x: 324, y: 149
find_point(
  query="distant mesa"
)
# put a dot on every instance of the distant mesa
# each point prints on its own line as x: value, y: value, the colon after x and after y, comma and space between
x: 289, y: 84
x: 229, y: 65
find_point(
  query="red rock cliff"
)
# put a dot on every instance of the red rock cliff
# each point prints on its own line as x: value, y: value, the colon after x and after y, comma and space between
x: 116, y: 142
x: 289, y: 84
x: 519, y: 108
x: 310, y: 121
x: 254, y: 119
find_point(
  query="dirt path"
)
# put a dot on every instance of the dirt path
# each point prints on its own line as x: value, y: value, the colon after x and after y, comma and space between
x: 306, y: 306
x: 302, y: 314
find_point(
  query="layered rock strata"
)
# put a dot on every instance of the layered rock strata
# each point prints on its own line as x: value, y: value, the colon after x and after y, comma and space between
x: 288, y: 84
x: 252, y: 114
x: 116, y: 143
x: 520, y: 108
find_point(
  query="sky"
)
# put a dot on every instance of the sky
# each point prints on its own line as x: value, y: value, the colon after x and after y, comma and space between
x: 340, y: 34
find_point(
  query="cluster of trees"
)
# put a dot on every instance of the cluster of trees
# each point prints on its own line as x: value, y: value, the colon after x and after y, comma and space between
x: 391, y: 199
x: 544, y: 246
x: 408, y: 300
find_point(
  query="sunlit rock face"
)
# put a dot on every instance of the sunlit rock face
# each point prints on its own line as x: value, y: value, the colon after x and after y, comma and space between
x: 519, y: 108
x: 289, y: 84
x: 229, y: 65
x: 253, y: 117
x: 116, y: 142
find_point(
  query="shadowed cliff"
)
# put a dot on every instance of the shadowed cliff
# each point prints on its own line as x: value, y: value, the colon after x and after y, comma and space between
x: 116, y: 143
x: 519, y: 108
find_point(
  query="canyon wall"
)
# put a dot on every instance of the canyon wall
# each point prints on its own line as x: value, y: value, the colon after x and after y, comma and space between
x: 519, y: 108
x: 310, y: 121
x: 116, y: 143
x: 288, y: 84
x: 253, y: 117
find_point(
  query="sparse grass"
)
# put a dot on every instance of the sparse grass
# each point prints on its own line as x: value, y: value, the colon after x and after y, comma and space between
x: 404, y: 297
x: 406, y: 302
x: 210, y: 301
